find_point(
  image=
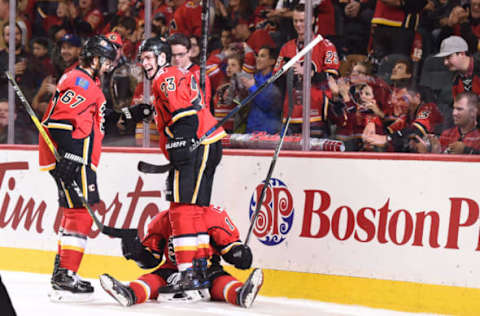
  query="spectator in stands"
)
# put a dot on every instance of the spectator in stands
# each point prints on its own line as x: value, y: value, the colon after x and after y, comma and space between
x: 181, y: 52
x: 351, y: 108
x: 40, y: 48
x: 228, y: 93
x: 404, y: 133
x: 65, y: 58
x: 464, y: 137
x: 45, y: 92
x: 159, y: 24
x: 87, y: 11
x: 215, y: 65
x: 464, y: 21
x: 125, y: 27
x: 3, y: 120
x: 20, y: 22
x: 356, y: 17
x: 265, y: 109
x: 70, y: 46
x: 454, y: 51
x: 435, y: 19
x: 255, y: 39
x: 394, y: 24
x: 195, y: 49
x: 25, y: 75
x: 66, y: 18
x: 123, y: 9
x: 187, y: 19
x: 324, y: 63
x: 401, y: 74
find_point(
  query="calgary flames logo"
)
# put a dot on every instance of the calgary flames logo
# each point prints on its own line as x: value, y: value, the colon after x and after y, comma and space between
x: 275, y: 216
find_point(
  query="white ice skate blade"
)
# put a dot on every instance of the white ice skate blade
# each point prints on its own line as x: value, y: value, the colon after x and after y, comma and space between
x: 184, y: 297
x: 107, y: 285
x: 257, y: 280
x: 59, y: 296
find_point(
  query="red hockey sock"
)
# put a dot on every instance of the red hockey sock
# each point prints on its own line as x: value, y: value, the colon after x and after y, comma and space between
x: 182, y: 219
x: 146, y: 287
x: 224, y: 288
x: 75, y: 226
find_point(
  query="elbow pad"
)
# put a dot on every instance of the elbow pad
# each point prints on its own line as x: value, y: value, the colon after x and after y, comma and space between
x: 240, y: 256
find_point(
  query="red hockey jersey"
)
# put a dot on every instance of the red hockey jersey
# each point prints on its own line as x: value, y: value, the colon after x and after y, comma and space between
x: 78, y: 106
x: 324, y: 59
x: 187, y: 19
x: 177, y: 94
x: 223, y: 235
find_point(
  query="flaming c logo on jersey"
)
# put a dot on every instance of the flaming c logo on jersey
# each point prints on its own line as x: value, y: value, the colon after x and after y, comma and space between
x: 275, y: 217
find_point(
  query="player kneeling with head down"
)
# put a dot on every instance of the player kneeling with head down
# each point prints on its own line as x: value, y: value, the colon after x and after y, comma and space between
x: 74, y: 120
x: 224, y: 242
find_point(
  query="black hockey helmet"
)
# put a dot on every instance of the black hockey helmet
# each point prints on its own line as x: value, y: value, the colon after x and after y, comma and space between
x: 157, y: 46
x: 99, y: 46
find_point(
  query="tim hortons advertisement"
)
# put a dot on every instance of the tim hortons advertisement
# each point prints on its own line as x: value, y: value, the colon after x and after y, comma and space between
x: 378, y: 218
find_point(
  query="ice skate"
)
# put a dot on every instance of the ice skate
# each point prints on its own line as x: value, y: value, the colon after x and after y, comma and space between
x: 187, y: 280
x: 121, y: 293
x: 185, y: 297
x: 67, y: 287
x: 247, y: 293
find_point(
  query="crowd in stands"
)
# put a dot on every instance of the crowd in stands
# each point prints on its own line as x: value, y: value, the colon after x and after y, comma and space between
x: 389, y: 75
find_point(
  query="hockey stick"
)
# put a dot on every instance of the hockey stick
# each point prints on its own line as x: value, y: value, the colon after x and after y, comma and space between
x: 146, y: 167
x: 203, y: 52
x: 250, y: 97
x: 114, y: 232
x: 275, y: 156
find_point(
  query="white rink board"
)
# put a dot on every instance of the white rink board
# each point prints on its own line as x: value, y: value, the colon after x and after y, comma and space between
x: 417, y: 187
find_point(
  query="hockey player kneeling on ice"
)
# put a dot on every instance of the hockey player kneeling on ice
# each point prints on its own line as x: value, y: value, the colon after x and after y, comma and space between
x: 148, y: 253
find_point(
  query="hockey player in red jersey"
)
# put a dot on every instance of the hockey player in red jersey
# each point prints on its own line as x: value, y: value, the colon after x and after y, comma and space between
x: 74, y: 121
x: 148, y: 253
x: 181, y: 118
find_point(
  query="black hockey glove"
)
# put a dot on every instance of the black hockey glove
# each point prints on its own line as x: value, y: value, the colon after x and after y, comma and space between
x: 137, y: 113
x: 240, y: 256
x: 68, y: 168
x: 132, y: 248
x: 179, y: 151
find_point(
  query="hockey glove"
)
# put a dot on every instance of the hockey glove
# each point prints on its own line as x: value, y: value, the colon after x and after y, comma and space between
x: 240, y: 256
x: 137, y: 113
x: 179, y: 151
x: 133, y: 249
x: 68, y: 168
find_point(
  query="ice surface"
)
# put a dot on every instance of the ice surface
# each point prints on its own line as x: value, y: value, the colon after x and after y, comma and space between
x: 28, y: 292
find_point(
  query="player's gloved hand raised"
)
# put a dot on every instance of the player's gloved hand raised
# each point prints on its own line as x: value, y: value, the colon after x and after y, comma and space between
x: 137, y: 113
x: 179, y: 151
x: 68, y: 167
x: 132, y: 248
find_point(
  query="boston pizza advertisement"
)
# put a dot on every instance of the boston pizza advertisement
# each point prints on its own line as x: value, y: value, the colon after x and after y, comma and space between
x: 372, y: 216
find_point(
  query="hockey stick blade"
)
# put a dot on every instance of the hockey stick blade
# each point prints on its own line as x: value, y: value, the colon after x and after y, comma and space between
x: 120, y: 232
x: 146, y: 167
x: 251, y: 96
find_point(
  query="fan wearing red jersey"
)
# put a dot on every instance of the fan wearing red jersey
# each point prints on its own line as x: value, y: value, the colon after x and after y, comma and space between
x: 181, y: 118
x: 74, y: 121
x: 324, y: 62
x: 148, y: 253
